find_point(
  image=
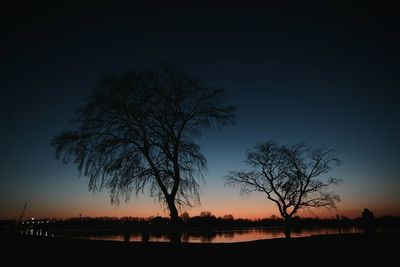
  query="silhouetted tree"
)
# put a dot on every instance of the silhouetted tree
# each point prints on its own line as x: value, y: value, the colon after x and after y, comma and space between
x: 138, y: 129
x: 288, y: 176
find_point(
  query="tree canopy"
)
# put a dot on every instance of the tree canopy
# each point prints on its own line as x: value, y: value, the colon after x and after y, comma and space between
x: 137, y: 130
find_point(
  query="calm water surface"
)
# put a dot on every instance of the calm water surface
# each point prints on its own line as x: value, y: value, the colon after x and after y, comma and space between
x: 216, y: 236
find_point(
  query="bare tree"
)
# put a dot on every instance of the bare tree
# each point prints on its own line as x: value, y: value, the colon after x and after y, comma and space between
x: 288, y: 177
x: 138, y: 129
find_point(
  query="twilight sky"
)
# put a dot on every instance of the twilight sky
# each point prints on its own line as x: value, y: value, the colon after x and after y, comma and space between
x: 326, y: 75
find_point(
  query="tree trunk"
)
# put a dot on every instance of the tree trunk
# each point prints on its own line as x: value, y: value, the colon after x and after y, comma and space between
x: 288, y: 226
x: 173, y: 212
x: 175, y: 232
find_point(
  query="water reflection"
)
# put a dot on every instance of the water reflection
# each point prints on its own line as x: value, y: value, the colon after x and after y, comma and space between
x: 196, y: 236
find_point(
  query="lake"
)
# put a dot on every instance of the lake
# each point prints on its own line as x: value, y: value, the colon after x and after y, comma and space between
x: 197, y: 236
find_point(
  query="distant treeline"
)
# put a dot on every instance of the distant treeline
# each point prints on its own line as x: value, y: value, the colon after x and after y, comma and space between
x: 205, y: 221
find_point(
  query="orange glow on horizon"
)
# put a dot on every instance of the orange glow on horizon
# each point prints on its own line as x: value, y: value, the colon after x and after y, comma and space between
x: 218, y: 203
x: 119, y: 213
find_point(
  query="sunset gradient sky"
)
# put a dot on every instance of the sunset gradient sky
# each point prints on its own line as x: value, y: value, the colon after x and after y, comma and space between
x: 326, y: 75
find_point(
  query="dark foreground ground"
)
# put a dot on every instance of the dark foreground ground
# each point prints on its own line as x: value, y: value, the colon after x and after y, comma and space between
x: 381, y: 249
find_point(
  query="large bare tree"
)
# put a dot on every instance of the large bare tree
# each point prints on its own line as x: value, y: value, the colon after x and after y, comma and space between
x: 288, y: 175
x: 138, y: 129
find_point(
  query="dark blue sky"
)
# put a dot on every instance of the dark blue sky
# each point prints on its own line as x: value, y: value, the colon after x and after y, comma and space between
x: 324, y: 74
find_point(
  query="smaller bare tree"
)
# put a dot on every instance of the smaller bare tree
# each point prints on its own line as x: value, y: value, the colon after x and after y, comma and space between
x: 288, y: 176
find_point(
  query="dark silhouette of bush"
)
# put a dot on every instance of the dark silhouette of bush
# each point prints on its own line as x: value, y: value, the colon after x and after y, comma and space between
x: 368, y: 221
